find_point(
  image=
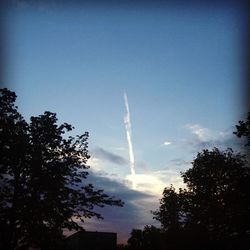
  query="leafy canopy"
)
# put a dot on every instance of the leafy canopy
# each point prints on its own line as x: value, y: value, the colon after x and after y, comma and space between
x: 43, y: 179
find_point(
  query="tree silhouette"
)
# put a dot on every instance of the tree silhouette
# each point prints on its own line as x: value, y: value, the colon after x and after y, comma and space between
x: 151, y: 238
x: 43, y: 179
x: 243, y: 129
x: 217, y: 199
x: 136, y: 239
x: 169, y: 212
x: 146, y: 239
x: 13, y: 165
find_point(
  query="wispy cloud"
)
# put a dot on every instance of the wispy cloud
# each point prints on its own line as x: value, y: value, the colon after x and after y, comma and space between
x: 103, y: 154
x: 203, y: 134
x: 206, y: 138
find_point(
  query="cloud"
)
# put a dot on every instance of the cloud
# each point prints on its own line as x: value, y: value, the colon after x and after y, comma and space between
x: 135, y: 213
x: 166, y: 143
x: 100, y: 153
x: 154, y: 182
x: 148, y: 183
x: 114, y: 186
x: 203, y: 134
x: 206, y: 138
x: 139, y: 203
x: 169, y: 176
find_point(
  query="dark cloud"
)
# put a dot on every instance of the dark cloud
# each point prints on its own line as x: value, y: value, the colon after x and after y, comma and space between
x: 121, y: 219
x: 101, y: 153
x: 114, y: 187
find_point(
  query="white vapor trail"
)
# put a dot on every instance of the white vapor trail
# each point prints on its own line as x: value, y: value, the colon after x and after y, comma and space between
x: 129, y: 139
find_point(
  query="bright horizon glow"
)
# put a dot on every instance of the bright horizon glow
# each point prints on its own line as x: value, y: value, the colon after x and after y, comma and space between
x: 153, y: 184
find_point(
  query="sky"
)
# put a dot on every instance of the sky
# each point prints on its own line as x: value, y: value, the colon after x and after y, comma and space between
x: 153, y: 83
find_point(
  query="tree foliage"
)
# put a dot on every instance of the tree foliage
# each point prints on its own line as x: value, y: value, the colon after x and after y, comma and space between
x: 169, y: 212
x: 243, y: 129
x: 217, y: 199
x: 43, y: 179
x: 146, y: 239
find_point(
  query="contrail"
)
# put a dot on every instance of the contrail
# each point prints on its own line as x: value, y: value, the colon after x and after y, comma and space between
x: 129, y: 139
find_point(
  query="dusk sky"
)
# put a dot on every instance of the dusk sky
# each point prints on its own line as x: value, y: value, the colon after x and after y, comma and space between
x: 180, y: 67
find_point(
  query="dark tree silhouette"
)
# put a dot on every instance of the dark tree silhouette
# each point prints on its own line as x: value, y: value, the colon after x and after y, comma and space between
x: 136, y: 239
x: 169, y: 214
x: 217, y: 199
x: 151, y: 238
x: 13, y: 167
x: 243, y: 129
x: 42, y: 174
x: 148, y: 238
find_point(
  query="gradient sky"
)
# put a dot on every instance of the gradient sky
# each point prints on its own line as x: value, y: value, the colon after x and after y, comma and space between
x: 180, y: 65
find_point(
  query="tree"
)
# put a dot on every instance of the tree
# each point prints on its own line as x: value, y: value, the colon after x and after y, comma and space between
x: 243, y: 129
x: 148, y: 238
x: 135, y: 240
x: 13, y: 166
x: 217, y: 190
x: 43, y: 178
x: 169, y: 214
x: 152, y: 238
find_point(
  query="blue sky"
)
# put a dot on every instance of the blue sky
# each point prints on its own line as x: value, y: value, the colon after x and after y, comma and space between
x: 181, y: 67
